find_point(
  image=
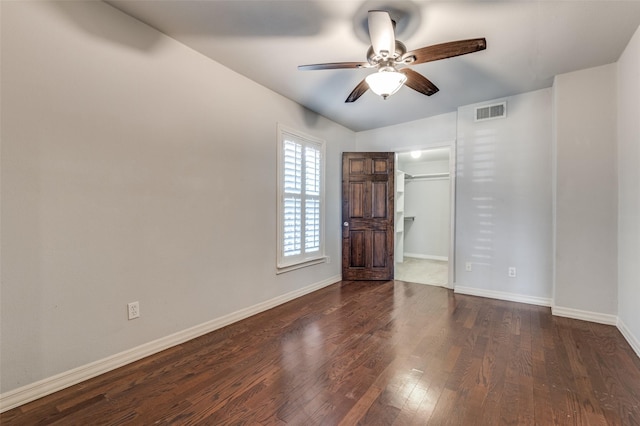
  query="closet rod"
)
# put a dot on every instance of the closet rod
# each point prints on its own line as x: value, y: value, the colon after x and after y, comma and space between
x: 429, y: 176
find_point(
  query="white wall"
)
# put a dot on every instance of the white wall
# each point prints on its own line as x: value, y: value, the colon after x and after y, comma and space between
x: 503, y: 206
x: 439, y: 130
x: 428, y: 201
x: 134, y: 169
x: 585, y: 199
x: 628, y: 127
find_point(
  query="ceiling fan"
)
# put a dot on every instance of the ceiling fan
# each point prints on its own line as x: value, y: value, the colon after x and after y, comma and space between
x: 388, y: 55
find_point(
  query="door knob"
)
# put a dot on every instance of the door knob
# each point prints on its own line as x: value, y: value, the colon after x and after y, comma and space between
x: 346, y: 223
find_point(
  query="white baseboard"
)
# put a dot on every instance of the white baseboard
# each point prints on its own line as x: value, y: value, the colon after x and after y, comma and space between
x: 634, y: 342
x: 560, y: 311
x: 584, y: 315
x: 33, y: 391
x: 501, y: 295
x: 426, y: 256
x: 599, y: 318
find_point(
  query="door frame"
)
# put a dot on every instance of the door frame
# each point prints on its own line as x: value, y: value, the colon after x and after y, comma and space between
x: 452, y: 202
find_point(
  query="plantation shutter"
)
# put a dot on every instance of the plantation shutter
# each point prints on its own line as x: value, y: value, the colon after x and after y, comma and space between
x: 301, y: 165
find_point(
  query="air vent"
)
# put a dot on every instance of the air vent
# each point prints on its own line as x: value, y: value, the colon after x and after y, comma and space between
x: 491, y: 112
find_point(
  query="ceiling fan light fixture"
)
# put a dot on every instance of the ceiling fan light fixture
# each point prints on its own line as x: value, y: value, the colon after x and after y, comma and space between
x: 386, y: 82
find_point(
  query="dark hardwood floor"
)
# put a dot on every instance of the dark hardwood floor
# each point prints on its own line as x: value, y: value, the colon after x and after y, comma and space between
x: 373, y: 353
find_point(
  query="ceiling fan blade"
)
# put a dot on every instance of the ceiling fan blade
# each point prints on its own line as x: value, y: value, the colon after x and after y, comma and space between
x: 334, y: 66
x: 445, y: 50
x: 418, y: 82
x: 357, y: 92
x: 381, y: 32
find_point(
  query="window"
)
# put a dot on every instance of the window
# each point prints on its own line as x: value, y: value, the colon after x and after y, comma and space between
x: 301, y: 199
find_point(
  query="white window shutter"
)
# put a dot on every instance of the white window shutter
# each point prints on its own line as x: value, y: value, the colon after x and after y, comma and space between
x: 292, y: 226
x: 301, y: 166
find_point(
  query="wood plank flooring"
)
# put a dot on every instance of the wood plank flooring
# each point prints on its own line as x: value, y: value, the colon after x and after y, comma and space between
x: 370, y: 353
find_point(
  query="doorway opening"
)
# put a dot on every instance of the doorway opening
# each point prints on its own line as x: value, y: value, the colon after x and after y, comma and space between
x: 424, y: 220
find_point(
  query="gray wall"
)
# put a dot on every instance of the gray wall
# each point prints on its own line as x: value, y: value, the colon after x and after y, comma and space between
x: 504, y: 193
x: 629, y: 190
x: 134, y: 169
x: 586, y: 187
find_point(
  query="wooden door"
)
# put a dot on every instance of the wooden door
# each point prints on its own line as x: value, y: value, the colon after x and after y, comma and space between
x: 367, y: 215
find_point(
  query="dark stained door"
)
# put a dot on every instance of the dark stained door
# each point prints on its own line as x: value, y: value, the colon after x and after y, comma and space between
x: 367, y: 215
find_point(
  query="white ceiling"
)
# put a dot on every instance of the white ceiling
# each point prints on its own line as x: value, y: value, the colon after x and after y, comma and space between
x: 528, y: 43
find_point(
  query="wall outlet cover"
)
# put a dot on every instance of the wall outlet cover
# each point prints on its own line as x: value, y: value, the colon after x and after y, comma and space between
x: 133, y: 310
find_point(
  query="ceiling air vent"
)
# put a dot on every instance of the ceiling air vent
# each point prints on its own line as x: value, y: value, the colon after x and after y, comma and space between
x: 490, y: 112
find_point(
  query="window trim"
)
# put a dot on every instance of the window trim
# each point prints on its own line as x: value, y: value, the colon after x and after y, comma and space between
x: 285, y: 264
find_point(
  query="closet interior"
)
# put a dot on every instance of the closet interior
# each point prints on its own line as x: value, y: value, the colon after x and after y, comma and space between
x: 423, y: 216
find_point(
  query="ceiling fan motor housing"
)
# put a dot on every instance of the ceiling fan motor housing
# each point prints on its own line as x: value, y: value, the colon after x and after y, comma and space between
x: 375, y: 59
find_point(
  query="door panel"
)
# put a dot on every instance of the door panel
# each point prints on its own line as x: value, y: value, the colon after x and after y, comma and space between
x: 379, y: 200
x: 379, y: 249
x: 367, y: 215
x: 356, y: 200
x: 356, y: 166
x: 381, y: 166
x: 357, y: 258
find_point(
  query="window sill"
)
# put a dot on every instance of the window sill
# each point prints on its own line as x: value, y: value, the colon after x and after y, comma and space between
x: 288, y: 268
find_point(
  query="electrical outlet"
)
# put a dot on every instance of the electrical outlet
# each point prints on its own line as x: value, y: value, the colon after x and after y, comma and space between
x: 467, y: 266
x: 133, y: 309
x: 512, y: 271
